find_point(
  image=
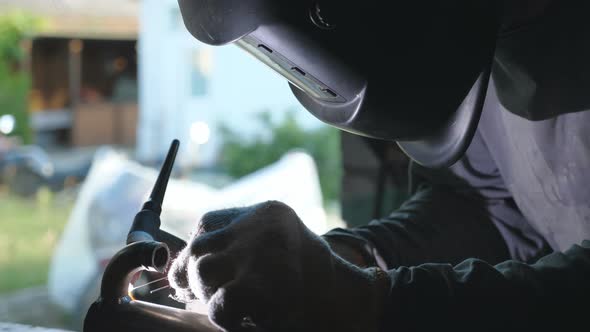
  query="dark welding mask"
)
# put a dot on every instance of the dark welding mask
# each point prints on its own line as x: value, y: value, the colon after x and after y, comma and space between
x: 415, y: 72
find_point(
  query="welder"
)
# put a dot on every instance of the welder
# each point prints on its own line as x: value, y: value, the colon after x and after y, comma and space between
x: 489, y: 99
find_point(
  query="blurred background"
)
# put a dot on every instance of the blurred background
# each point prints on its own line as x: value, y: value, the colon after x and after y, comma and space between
x: 91, y: 95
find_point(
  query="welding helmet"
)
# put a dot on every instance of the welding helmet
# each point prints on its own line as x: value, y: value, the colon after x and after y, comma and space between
x: 415, y: 72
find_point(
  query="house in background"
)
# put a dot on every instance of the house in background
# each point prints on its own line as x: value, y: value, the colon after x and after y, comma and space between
x: 188, y: 89
x: 127, y: 72
x: 83, y: 67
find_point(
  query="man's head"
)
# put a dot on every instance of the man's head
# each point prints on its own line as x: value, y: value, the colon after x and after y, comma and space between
x: 414, y: 72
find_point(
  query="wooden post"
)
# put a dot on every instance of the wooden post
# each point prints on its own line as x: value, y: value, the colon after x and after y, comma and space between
x: 75, y: 47
x: 27, y: 46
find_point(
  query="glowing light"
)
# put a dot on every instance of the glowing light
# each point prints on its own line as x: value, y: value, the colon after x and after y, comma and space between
x: 200, y: 132
x: 7, y: 123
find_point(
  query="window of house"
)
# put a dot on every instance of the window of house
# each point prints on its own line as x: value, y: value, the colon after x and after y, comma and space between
x: 201, y: 66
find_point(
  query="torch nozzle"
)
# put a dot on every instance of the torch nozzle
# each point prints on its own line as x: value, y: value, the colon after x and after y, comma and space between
x: 156, y: 199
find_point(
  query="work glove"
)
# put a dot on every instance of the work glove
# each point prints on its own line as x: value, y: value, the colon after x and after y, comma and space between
x: 259, y: 268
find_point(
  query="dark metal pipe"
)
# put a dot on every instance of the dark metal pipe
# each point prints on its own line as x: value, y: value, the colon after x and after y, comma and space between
x: 148, y: 255
x: 116, y: 311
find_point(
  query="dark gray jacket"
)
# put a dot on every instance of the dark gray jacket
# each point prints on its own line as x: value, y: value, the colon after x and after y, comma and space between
x: 464, y: 251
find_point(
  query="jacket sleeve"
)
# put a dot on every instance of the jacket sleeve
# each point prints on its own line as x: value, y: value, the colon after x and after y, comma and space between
x: 436, y: 225
x: 456, y: 214
x: 551, y: 294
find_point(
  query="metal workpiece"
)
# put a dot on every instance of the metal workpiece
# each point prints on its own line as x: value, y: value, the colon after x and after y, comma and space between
x: 145, y: 317
x: 115, y: 310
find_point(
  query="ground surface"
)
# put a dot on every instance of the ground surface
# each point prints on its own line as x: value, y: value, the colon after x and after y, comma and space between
x: 10, y: 327
x: 29, y: 306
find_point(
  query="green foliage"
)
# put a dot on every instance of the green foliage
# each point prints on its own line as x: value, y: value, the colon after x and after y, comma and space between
x: 240, y: 157
x: 14, y: 87
x: 15, y: 27
x: 14, y: 84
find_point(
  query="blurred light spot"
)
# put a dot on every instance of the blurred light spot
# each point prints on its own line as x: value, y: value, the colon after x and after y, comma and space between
x: 47, y: 170
x: 7, y: 123
x: 200, y: 132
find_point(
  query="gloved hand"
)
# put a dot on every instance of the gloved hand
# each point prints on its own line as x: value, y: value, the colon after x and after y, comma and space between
x: 259, y: 268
